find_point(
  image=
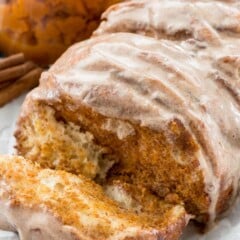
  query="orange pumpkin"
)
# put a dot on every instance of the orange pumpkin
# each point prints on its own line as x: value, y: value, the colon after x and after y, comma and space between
x: 43, y: 29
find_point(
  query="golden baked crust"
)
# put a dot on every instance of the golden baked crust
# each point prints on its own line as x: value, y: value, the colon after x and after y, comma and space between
x: 48, y: 204
x: 157, y: 114
x: 44, y: 29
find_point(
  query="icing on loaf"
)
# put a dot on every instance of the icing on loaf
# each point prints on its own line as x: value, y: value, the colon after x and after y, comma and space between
x: 157, y: 85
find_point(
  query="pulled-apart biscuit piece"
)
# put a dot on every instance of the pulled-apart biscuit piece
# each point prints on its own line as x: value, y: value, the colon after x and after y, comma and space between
x: 49, y: 204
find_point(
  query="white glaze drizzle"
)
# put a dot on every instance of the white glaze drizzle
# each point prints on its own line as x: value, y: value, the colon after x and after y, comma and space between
x: 160, y: 18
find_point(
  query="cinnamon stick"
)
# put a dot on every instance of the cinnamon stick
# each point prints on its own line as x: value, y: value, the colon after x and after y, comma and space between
x: 5, y: 84
x: 25, y: 83
x: 16, y: 71
x: 11, y: 61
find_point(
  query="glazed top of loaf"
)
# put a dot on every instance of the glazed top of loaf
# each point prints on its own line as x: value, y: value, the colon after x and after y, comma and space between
x: 208, y: 21
x: 151, y: 82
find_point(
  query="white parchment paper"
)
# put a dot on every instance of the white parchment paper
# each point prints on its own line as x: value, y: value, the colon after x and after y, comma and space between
x: 226, y: 229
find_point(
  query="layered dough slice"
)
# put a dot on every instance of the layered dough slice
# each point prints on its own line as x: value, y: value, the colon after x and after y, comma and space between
x: 48, y: 204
